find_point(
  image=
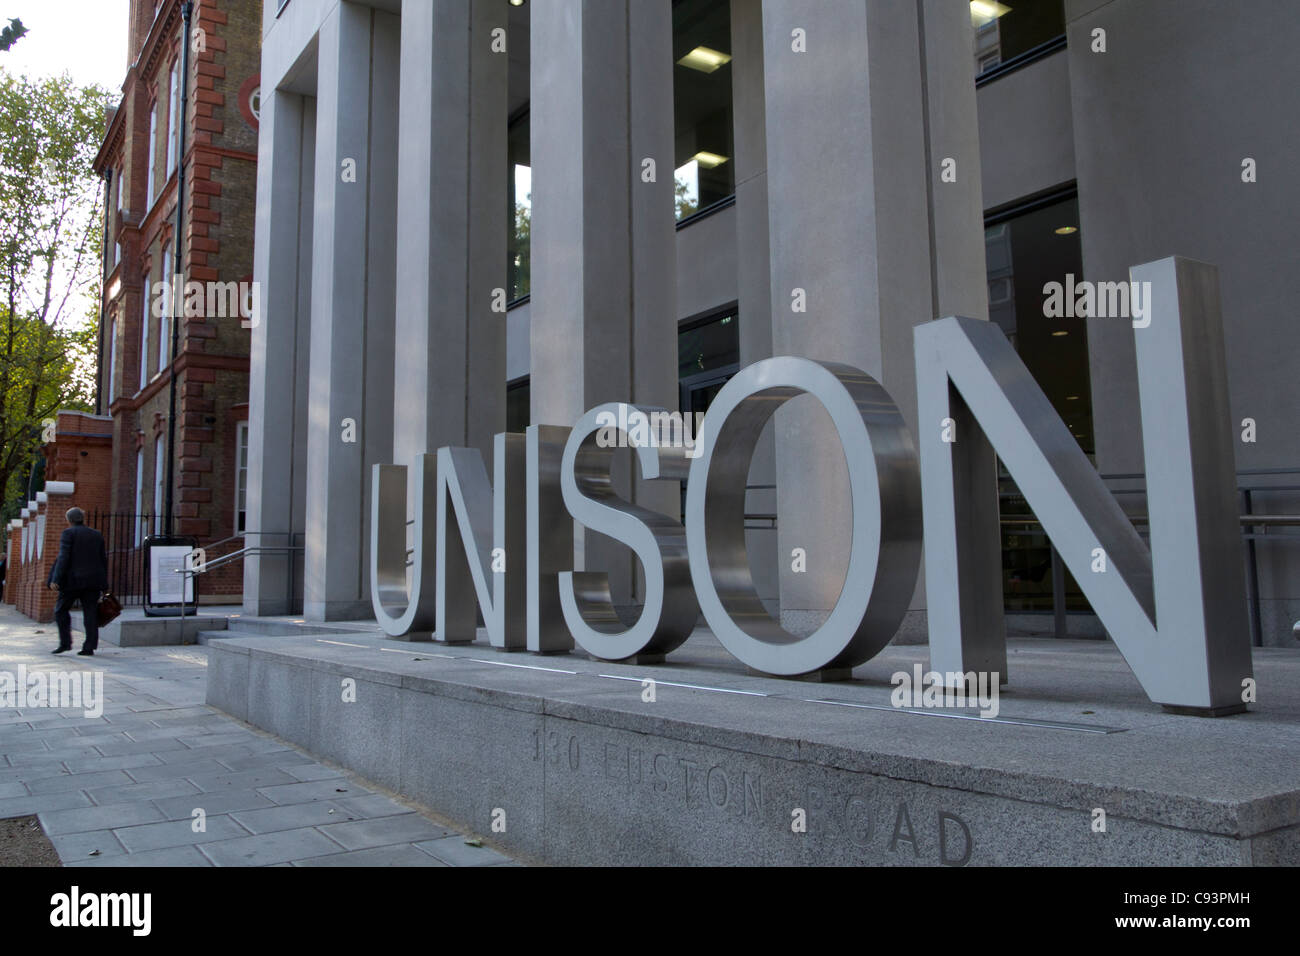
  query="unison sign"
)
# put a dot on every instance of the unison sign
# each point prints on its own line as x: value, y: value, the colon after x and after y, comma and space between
x: 1176, y: 610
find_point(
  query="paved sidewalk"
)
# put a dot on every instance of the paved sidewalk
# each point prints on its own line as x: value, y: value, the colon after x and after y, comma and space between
x: 131, y: 787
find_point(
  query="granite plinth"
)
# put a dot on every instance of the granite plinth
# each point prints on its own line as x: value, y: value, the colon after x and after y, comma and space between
x: 578, y: 765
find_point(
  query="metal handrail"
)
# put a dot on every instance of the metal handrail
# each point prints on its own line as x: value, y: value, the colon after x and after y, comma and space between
x: 225, y: 559
x: 1250, y: 525
x: 215, y: 563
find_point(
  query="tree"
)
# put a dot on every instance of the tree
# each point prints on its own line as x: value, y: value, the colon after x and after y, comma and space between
x: 49, y: 262
x: 10, y: 34
x: 520, y: 252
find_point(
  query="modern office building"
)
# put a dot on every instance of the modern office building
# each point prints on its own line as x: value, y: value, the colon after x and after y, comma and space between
x: 472, y: 216
x: 142, y: 158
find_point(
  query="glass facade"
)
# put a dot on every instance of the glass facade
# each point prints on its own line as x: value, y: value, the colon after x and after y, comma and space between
x: 520, y: 192
x: 1004, y: 31
x: 518, y: 397
x: 708, y: 353
x: 703, y: 143
x: 1024, y: 253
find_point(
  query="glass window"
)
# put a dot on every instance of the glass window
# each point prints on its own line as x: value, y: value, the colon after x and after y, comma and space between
x: 139, y: 497
x: 1004, y: 31
x: 703, y: 149
x: 1025, y: 253
x: 520, y: 190
x: 518, y: 395
x: 153, y: 150
x: 241, y: 475
x: 708, y: 353
x: 144, y: 336
x: 112, y: 361
x: 159, y: 480
x: 164, y: 320
x: 173, y: 118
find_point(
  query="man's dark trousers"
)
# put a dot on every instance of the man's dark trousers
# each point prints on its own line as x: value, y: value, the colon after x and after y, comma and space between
x: 89, y: 601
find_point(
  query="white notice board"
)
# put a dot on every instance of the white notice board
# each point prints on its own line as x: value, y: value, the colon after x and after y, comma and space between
x: 164, y: 581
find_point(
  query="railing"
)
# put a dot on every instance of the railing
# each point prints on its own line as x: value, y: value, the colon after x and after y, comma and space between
x: 123, y: 533
x: 1249, y: 523
x: 291, y: 550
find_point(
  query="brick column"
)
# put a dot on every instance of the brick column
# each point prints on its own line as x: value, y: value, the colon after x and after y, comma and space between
x: 13, y: 534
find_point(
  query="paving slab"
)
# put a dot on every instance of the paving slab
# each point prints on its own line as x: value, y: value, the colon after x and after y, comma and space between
x: 385, y: 831
x: 282, y: 846
x: 403, y: 855
x: 159, y: 836
x: 87, y: 845
x: 454, y: 851
x: 291, y: 817
x: 183, y: 807
x: 125, y: 785
x: 56, y: 822
x: 170, y: 857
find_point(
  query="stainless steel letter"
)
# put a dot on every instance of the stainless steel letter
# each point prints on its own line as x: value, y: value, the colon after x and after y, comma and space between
x: 550, y: 539
x: 398, y: 610
x: 886, y: 497
x: 659, y: 542
x: 1177, y: 612
x: 485, y: 518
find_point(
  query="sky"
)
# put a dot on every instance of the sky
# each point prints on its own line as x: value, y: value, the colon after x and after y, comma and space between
x: 87, y: 38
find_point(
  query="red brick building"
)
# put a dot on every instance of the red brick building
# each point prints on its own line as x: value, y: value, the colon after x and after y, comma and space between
x: 141, y: 157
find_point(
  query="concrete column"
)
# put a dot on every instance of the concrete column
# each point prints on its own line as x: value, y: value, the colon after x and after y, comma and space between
x: 603, y: 325
x: 353, y: 254
x: 753, y: 267
x: 449, y: 371
x: 277, y: 421
x: 864, y: 102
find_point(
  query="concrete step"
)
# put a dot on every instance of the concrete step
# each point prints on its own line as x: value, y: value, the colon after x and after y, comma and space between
x: 276, y: 626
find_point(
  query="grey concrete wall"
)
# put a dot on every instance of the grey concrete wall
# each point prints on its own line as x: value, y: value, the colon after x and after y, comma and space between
x: 350, y: 421
x: 604, y: 257
x: 1026, y: 135
x: 1162, y: 122
x: 869, y: 232
x: 450, y: 370
x: 753, y: 265
x: 277, y: 441
x: 592, y: 776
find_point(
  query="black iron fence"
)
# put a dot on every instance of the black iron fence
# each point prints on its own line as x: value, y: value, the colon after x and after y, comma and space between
x: 124, y: 533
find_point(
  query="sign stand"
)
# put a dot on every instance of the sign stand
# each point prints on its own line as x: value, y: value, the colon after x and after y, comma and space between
x: 168, y: 591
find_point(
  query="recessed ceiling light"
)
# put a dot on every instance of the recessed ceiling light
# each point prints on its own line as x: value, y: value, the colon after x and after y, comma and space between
x: 1072, y: 398
x: 1067, y: 230
x: 1060, y: 333
x: 516, y: 3
x: 709, y: 160
x: 986, y: 11
x: 704, y: 59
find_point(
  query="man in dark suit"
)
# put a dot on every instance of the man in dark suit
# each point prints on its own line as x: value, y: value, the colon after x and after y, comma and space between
x: 80, y: 573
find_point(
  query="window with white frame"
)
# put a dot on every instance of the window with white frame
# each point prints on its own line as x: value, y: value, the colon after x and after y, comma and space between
x: 144, y: 335
x: 139, y: 497
x: 112, y: 361
x: 241, y: 475
x: 164, y: 326
x: 153, y: 151
x: 159, y: 478
x: 173, y: 114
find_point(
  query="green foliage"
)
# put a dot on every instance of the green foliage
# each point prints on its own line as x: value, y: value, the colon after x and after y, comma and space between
x: 684, y: 201
x: 520, y: 251
x: 10, y: 34
x: 50, y: 265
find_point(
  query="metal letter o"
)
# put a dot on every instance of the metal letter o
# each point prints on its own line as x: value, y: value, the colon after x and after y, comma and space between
x: 885, y: 487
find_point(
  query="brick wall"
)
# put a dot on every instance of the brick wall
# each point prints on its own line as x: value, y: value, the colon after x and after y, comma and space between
x: 211, y: 365
x: 45, y: 524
